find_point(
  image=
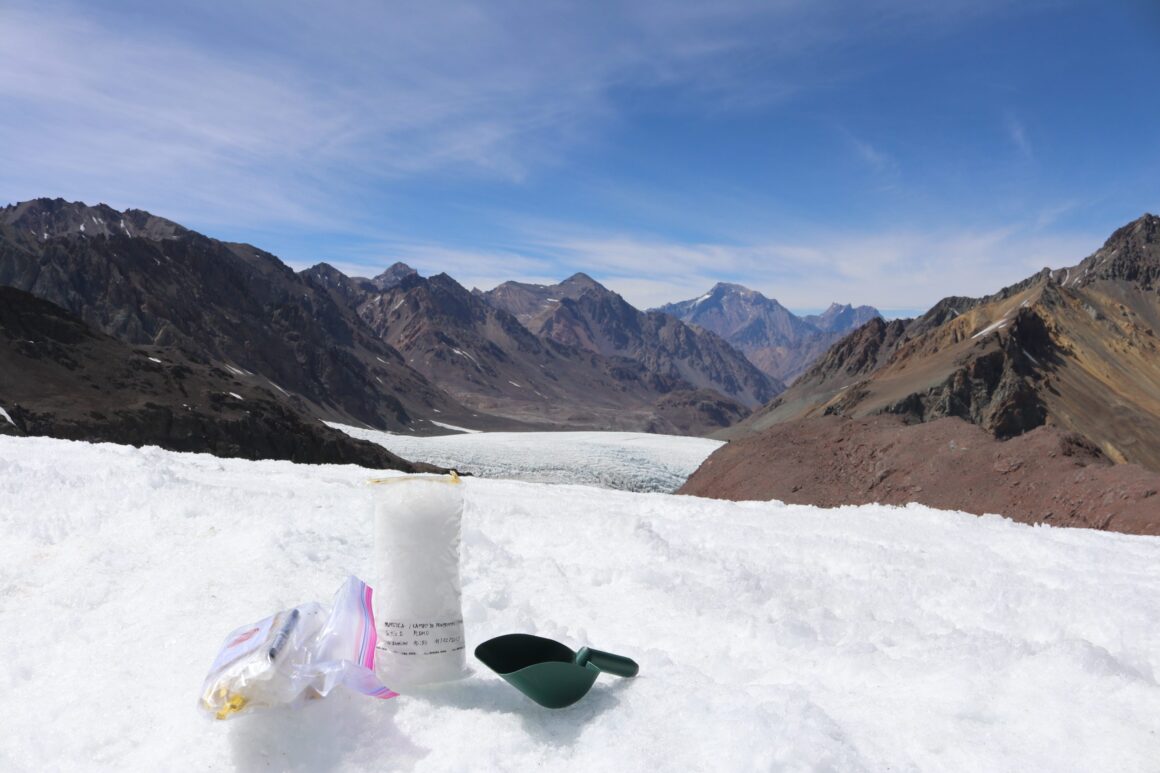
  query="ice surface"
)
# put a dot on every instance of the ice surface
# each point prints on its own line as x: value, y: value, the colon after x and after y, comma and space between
x: 628, y: 461
x: 769, y: 636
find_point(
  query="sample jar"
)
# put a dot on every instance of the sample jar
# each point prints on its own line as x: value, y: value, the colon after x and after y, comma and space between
x: 417, y: 594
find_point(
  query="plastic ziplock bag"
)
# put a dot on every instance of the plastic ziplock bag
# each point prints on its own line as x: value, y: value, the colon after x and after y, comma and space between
x: 296, y: 655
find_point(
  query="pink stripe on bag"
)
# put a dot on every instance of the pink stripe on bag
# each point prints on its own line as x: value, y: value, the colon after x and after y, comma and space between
x: 371, y: 636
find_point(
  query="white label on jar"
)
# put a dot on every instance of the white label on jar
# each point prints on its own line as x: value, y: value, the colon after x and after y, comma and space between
x: 408, y: 637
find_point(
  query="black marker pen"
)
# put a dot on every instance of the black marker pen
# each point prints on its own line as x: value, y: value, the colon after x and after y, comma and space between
x: 283, y: 634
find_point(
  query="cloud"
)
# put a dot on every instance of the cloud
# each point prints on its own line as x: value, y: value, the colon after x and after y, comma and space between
x: 875, y: 158
x: 1017, y: 133
x: 893, y: 269
x: 264, y: 113
x: 279, y: 111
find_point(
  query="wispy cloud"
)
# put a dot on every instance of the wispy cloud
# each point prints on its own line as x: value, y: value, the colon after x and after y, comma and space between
x: 288, y: 112
x: 147, y: 110
x: 904, y: 268
x: 1017, y: 133
x: 875, y: 158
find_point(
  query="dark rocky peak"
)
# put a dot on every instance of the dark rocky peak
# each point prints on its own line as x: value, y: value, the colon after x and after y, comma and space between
x: 577, y: 284
x: 1131, y: 254
x: 349, y: 291
x: 44, y: 219
x: 529, y: 302
x: 452, y: 296
x: 393, y: 276
x: 860, y: 353
x: 433, y: 298
x: 326, y: 275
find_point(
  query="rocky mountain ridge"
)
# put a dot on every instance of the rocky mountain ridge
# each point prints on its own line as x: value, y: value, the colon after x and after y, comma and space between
x: 489, y: 360
x: 147, y: 281
x: 581, y: 312
x: 1075, y: 348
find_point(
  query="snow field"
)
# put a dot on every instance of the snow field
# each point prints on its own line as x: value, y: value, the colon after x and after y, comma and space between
x: 769, y: 636
x: 627, y: 461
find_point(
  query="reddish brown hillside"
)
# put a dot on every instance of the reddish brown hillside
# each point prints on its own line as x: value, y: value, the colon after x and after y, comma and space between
x: 1044, y: 476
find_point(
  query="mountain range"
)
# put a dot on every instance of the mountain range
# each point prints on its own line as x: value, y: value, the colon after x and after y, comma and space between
x: 581, y: 312
x: 487, y: 359
x: 1072, y: 348
x: 775, y: 339
x: 398, y: 352
x: 147, y: 281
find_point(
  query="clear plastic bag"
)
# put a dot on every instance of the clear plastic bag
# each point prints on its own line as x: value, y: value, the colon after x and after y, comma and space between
x: 296, y: 655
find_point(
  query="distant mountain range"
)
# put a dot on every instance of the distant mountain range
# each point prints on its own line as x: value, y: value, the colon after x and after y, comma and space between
x: 775, y: 339
x: 1075, y: 348
x: 487, y: 358
x: 581, y: 312
x: 398, y: 352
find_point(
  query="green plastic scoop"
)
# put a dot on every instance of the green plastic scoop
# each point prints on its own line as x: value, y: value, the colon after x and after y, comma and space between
x: 548, y: 672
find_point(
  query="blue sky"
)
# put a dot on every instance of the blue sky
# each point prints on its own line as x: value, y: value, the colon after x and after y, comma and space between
x: 887, y: 152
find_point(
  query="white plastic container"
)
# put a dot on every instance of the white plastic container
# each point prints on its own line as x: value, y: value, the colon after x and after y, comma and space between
x: 418, y: 599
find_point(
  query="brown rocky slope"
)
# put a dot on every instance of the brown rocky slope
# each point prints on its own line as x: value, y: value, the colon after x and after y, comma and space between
x: 1044, y: 476
x: 60, y: 378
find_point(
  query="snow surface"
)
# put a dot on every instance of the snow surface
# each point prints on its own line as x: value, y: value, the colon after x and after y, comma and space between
x: 769, y: 636
x: 444, y: 425
x: 628, y: 461
x: 469, y: 356
x: 992, y: 327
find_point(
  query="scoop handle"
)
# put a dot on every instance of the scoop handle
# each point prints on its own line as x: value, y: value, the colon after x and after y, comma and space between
x: 607, y: 662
